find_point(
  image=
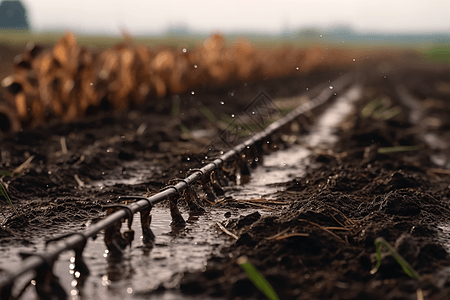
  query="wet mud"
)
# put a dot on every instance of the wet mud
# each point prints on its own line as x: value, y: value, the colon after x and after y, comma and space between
x: 385, y: 175
x: 357, y: 189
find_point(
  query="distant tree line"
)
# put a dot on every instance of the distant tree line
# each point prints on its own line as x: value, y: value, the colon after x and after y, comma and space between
x: 13, y: 15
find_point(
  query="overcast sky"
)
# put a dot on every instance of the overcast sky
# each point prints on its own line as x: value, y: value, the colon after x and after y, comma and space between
x: 141, y: 17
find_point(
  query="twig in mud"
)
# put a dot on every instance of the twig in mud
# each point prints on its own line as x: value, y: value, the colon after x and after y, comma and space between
x: 321, y: 227
x: 258, y: 280
x: 141, y: 129
x: 264, y: 201
x: 249, y: 202
x: 63, y: 145
x: 289, y: 235
x: 23, y: 166
x: 337, y: 228
x: 402, y: 262
x: 349, y: 221
x: 419, y: 294
x: 337, y: 221
x: 439, y: 171
x: 278, y: 234
x: 210, y: 202
x: 79, y: 181
x: 227, y: 231
x: 255, y: 204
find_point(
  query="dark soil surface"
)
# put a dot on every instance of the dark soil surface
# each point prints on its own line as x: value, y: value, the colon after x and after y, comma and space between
x: 352, y: 194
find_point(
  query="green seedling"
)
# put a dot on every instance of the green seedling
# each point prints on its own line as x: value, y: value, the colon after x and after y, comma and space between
x: 379, y: 109
x: 386, y: 114
x: 211, y: 117
x: 5, y: 194
x: 184, y: 129
x: 258, y: 280
x: 175, y: 109
x: 397, y: 149
x: 402, y: 262
x: 371, y: 107
x: 5, y: 173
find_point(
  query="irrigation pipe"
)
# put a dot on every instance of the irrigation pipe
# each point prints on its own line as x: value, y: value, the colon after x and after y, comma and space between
x: 76, y: 240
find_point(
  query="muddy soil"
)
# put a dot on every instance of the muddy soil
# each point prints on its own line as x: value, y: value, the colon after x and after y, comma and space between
x: 356, y: 192
x: 353, y: 192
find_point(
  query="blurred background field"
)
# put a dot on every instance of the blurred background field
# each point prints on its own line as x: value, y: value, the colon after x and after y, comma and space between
x: 435, y: 46
x: 63, y: 60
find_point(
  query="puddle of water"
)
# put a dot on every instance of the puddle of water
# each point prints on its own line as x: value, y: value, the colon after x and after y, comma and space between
x: 288, y: 163
x: 142, y: 270
x: 137, y: 172
x: 433, y: 140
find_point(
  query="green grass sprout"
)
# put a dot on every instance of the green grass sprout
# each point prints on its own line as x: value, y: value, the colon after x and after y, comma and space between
x: 5, y: 194
x: 258, y: 280
x: 211, y: 117
x: 371, y: 107
x: 184, y: 129
x: 175, y: 109
x: 397, y: 149
x: 5, y: 173
x: 386, y: 114
x: 402, y: 262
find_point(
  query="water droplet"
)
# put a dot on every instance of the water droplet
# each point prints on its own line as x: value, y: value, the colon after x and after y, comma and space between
x: 384, y: 76
x: 354, y: 59
x: 221, y: 102
x: 268, y: 142
x: 49, y: 172
x: 232, y: 115
x: 195, y: 66
x: 331, y: 87
x: 321, y: 35
x: 91, y: 84
x: 307, y: 89
x: 256, y: 159
x: 188, y: 158
x: 184, y: 50
x: 232, y: 94
x: 335, y: 94
x: 192, y: 92
x: 296, y: 68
